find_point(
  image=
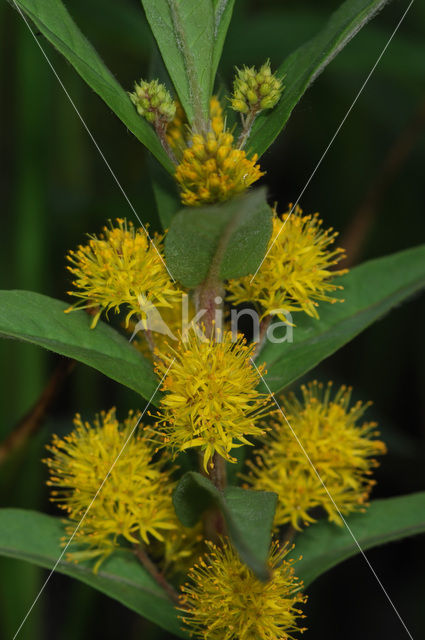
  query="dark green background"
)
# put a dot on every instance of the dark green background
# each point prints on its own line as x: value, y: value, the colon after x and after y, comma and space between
x: 54, y: 187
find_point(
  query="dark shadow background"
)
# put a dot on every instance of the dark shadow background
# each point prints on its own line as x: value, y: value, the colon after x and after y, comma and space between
x: 55, y: 188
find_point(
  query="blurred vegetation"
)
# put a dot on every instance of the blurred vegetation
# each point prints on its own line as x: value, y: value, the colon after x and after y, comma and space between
x: 55, y: 188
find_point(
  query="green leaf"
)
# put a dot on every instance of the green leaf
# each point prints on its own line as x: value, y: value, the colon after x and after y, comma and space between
x: 184, y: 31
x: 324, y: 545
x: 248, y: 515
x: 223, y: 10
x: 53, y: 20
x: 35, y: 538
x: 370, y: 291
x: 305, y: 64
x: 165, y: 192
x: 228, y: 240
x: 41, y: 320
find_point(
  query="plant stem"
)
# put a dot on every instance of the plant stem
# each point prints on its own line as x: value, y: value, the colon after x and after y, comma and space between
x: 213, y: 520
x: 140, y: 553
x: 247, y: 126
x: 218, y: 474
x: 289, y: 534
x: 161, y: 132
x: 264, y: 325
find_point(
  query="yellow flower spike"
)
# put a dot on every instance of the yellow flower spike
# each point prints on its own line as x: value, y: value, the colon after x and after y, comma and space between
x: 134, y: 503
x: 120, y: 267
x: 296, y: 272
x: 223, y: 600
x: 342, y: 450
x: 211, y: 170
x: 211, y: 399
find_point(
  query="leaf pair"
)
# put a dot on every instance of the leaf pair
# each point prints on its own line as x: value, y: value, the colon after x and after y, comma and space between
x: 370, y: 291
x: 35, y: 538
x: 191, y: 35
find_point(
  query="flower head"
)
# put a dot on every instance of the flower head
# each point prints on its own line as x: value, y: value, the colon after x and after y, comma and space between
x: 340, y: 448
x: 153, y: 101
x: 120, y: 267
x: 211, y: 400
x: 211, y: 169
x: 296, y: 272
x: 225, y: 601
x: 134, y: 503
x: 255, y: 90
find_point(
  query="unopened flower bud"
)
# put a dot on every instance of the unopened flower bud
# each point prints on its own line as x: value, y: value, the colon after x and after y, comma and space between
x: 153, y: 101
x: 255, y: 90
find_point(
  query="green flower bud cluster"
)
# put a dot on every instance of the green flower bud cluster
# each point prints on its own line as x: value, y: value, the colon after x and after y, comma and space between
x: 153, y: 101
x: 255, y: 90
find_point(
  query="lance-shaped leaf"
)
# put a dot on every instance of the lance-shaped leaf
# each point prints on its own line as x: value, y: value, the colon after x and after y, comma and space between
x: 324, y: 545
x: 184, y: 31
x: 248, y: 515
x: 53, y: 20
x: 228, y: 239
x: 36, y: 538
x: 370, y: 291
x: 223, y: 10
x: 305, y: 64
x: 41, y: 320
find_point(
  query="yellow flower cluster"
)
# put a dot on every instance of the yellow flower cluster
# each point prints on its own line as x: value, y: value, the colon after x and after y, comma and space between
x: 121, y: 267
x: 211, y: 399
x: 340, y: 449
x: 296, y: 272
x: 224, y: 600
x: 134, y: 503
x: 211, y: 169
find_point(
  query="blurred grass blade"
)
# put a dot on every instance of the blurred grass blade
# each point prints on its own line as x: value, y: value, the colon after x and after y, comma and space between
x: 55, y: 23
x: 324, y: 545
x: 41, y: 320
x: 35, y: 538
x: 305, y: 64
x: 229, y: 239
x: 184, y: 31
x: 370, y: 291
x: 223, y: 10
x: 248, y: 515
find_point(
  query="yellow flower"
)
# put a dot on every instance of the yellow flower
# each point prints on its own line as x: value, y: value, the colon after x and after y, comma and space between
x: 225, y: 601
x: 211, y: 168
x: 134, y: 503
x: 211, y: 400
x: 121, y: 267
x: 178, y: 131
x: 341, y: 449
x: 296, y: 273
